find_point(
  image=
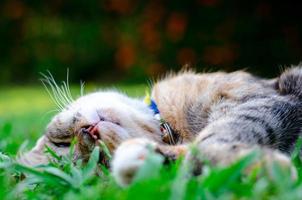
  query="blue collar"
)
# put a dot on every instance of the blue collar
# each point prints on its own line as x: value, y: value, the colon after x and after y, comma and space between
x: 151, y: 103
x: 153, y: 107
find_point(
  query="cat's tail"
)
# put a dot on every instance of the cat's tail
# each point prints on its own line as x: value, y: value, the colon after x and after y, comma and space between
x: 290, y: 82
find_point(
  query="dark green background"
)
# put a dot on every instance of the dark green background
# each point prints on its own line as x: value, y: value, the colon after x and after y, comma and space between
x: 130, y: 40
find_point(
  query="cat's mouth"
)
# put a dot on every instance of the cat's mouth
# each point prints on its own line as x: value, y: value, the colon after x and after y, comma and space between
x: 92, y: 130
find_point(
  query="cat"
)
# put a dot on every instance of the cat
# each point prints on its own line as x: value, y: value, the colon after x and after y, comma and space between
x: 225, y: 116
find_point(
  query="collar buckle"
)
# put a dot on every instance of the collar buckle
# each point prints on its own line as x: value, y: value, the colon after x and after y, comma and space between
x: 169, y: 136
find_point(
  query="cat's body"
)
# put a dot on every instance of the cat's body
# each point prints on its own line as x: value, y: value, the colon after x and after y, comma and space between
x: 226, y: 116
x: 249, y: 108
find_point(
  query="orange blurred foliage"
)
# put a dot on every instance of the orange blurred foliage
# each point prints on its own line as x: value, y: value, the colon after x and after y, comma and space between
x: 176, y: 26
x: 125, y: 55
x: 119, y: 6
x: 186, y: 56
x: 155, y: 69
x: 14, y: 9
x: 215, y: 55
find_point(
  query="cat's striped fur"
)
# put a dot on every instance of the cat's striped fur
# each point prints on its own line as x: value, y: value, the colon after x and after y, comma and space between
x: 234, y: 107
x: 225, y: 116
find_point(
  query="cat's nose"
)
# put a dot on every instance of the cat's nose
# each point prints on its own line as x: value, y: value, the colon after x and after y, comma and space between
x: 92, y: 131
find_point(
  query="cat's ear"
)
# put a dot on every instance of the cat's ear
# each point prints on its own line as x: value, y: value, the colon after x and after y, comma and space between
x: 36, y: 155
x: 290, y: 82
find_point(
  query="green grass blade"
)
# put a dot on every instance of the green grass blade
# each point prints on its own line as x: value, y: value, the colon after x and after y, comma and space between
x: 89, y: 169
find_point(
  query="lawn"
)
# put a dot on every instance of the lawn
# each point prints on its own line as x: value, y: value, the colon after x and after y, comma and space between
x: 25, y: 111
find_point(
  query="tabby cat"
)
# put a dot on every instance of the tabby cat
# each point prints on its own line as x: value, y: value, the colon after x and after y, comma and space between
x: 224, y: 115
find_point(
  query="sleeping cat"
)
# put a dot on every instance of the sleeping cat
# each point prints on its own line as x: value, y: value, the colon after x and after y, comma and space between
x: 224, y: 115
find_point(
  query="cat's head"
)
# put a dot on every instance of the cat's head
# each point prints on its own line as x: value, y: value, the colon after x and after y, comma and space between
x: 108, y: 116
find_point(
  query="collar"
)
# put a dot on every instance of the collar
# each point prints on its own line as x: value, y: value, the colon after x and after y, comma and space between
x: 169, y: 136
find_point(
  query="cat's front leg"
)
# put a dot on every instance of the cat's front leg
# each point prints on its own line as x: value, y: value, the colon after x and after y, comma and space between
x: 225, y: 153
x: 222, y: 144
x: 131, y: 155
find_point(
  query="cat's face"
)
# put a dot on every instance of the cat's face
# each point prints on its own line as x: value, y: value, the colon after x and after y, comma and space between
x: 107, y: 116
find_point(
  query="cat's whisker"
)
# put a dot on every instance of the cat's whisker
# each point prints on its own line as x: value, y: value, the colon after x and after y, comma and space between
x: 57, y: 96
x: 82, y: 86
x: 55, y: 88
x: 52, y: 96
x: 66, y: 84
x: 52, y: 111
x: 64, y: 96
x: 60, y: 95
x: 67, y: 91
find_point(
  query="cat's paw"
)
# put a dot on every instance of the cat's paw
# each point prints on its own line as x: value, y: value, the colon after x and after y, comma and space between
x: 271, y: 157
x: 128, y: 158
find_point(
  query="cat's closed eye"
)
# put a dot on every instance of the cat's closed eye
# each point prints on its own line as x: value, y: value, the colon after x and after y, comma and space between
x: 62, y: 144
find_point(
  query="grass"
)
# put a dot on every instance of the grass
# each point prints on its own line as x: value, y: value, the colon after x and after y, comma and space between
x: 23, y: 116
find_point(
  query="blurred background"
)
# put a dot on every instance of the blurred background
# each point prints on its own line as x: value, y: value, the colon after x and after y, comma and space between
x: 124, y: 43
x: 132, y: 40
